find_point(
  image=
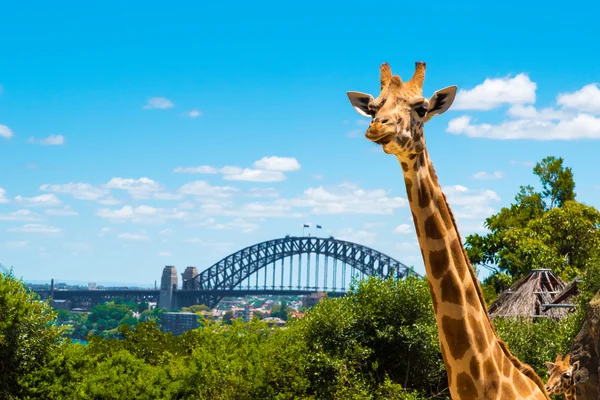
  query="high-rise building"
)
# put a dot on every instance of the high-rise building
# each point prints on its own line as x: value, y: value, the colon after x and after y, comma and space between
x: 179, y: 322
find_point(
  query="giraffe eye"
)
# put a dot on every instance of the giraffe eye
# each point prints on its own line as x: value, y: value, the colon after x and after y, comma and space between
x: 567, y: 375
x: 421, y: 110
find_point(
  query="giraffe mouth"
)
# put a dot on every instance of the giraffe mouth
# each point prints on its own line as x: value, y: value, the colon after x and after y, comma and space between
x: 386, y: 139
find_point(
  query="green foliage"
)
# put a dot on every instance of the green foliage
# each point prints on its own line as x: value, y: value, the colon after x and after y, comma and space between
x: 28, y: 338
x: 540, y: 230
x: 281, y: 311
x: 536, y: 342
x: 558, y: 185
x: 382, y: 328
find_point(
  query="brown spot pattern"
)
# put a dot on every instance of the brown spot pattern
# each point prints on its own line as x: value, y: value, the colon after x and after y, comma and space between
x: 416, y: 225
x: 479, y: 336
x: 404, y: 166
x: 466, y: 387
x: 458, y: 258
x: 408, y: 184
x: 450, y: 289
x: 447, y: 362
x: 433, y: 228
x: 474, y: 368
x: 433, y: 298
x: 424, y: 193
x: 507, y: 392
x: 439, y: 262
x: 456, y: 334
x: 470, y: 296
x: 440, y: 203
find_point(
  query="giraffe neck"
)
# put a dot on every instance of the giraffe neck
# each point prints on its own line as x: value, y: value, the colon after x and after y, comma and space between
x: 570, y: 394
x: 478, y: 364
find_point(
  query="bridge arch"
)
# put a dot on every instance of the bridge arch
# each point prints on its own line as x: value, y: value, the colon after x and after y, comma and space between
x: 231, y: 271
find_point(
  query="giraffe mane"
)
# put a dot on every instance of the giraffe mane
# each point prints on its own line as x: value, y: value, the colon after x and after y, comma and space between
x: 524, y: 368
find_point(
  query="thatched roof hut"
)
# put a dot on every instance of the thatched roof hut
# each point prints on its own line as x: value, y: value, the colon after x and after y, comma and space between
x: 528, y: 296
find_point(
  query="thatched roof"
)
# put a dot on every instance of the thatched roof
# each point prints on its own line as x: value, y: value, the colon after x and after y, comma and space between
x: 526, y: 297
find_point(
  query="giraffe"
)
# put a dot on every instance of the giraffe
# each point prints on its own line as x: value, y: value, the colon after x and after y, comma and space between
x: 561, y: 380
x: 479, y: 365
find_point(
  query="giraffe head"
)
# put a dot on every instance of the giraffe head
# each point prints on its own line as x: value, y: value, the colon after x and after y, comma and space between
x: 400, y: 111
x: 562, y: 373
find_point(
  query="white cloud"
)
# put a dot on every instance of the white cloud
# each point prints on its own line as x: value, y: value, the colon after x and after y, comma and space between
x: 18, y: 244
x: 251, y: 210
x: 52, y: 140
x: 5, y: 132
x: 205, y: 189
x: 103, y: 231
x: 354, y: 133
x: 138, y: 188
x: 3, y: 198
x: 262, y: 192
x: 167, y: 196
x: 209, y: 243
x: 573, y: 121
x: 36, y: 228
x: 238, y: 224
x: 361, y: 237
x: 164, y: 254
x: 141, y: 214
x: 274, y: 163
x: 159, y: 102
x: 109, y: 201
x: 166, y: 232
x: 485, y: 176
x: 66, y: 211
x: 256, y: 175
x: 530, y: 112
x: 470, y: 204
x: 43, y: 200
x: 133, y: 236
x: 194, y: 113
x: 21, y: 215
x: 403, y: 229
x: 495, y: 92
x: 186, y: 205
x: 586, y: 99
x: 202, y: 169
x: 346, y: 199
x: 79, y: 190
x: 582, y: 126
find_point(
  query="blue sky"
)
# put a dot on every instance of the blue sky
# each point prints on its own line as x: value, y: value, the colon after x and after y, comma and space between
x: 138, y: 135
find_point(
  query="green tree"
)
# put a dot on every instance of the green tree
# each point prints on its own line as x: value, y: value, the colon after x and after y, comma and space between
x: 228, y: 317
x: 381, y: 328
x: 558, y: 185
x: 539, y: 230
x: 29, y: 337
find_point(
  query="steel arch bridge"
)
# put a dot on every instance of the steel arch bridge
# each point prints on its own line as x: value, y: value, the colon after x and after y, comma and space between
x: 227, y: 277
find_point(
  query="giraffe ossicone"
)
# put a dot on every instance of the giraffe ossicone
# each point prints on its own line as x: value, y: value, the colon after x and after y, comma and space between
x: 479, y: 365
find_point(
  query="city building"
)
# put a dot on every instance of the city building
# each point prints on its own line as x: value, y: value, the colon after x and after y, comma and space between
x: 60, y: 304
x: 179, y: 322
x: 312, y: 299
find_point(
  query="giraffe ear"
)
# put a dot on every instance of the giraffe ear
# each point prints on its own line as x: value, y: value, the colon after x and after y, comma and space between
x: 575, y: 366
x: 440, y: 101
x: 549, y: 365
x: 360, y: 102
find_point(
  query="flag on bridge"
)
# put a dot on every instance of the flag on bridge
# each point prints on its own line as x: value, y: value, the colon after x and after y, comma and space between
x: 319, y: 227
x: 306, y: 226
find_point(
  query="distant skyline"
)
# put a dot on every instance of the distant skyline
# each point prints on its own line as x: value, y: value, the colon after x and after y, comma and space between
x: 139, y: 135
